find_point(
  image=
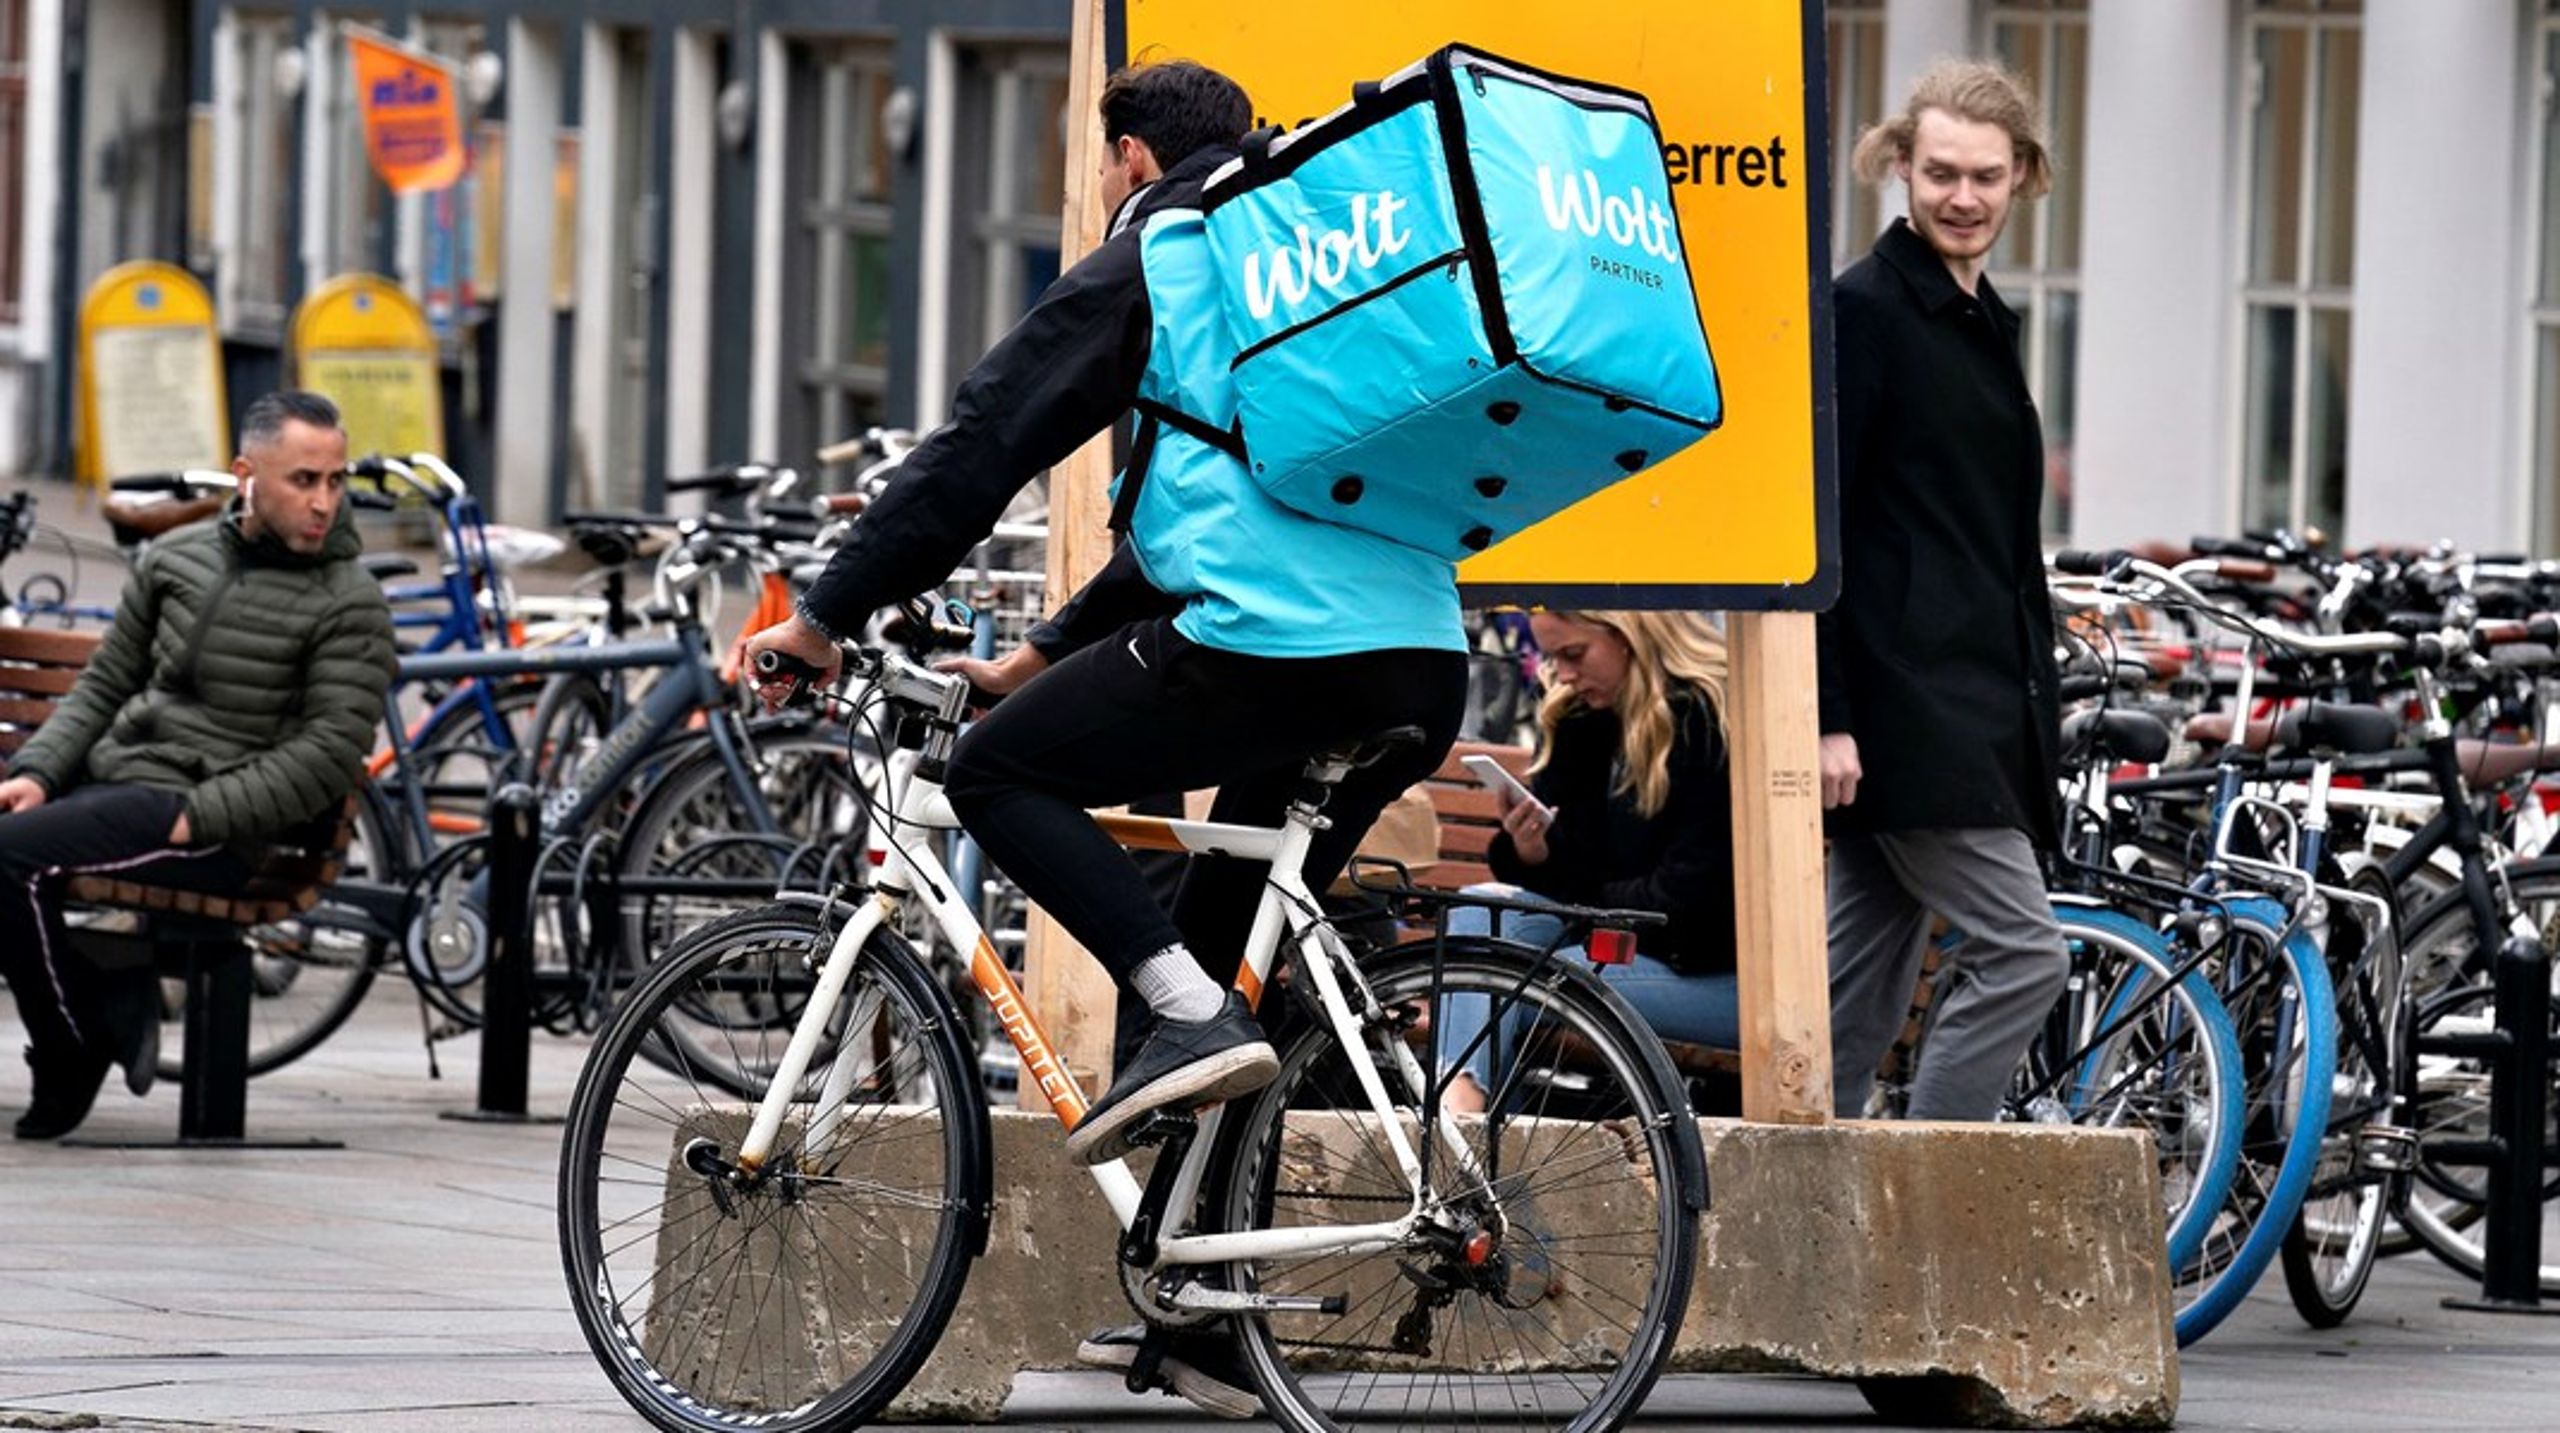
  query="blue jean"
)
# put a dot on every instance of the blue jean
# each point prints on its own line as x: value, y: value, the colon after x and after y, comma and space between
x: 1688, y: 1009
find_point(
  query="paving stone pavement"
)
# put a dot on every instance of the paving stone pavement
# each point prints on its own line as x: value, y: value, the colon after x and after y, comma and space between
x: 410, y: 1282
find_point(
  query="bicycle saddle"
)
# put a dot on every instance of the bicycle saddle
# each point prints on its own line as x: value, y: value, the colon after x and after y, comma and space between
x: 2487, y: 763
x: 2331, y: 726
x: 1378, y: 746
x: 134, y: 520
x: 2131, y: 736
x: 383, y: 566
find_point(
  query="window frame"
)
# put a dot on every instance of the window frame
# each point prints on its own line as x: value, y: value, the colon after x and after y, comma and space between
x: 2035, y: 282
x: 1858, y: 26
x: 2541, y: 367
x: 258, y: 153
x: 2307, y: 298
x: 13, y: 157
x: 833, y: 396
x: 986, y: 236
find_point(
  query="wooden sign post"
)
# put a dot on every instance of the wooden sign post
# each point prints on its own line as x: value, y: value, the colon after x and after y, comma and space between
x: 1069, y: 991
x: 150, y: 376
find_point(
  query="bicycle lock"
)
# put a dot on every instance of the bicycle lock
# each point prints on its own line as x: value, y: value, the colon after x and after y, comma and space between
x: 2518, y: 1053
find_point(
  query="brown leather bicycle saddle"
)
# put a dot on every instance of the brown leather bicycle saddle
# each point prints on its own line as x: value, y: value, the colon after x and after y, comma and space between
x: 136, y: 521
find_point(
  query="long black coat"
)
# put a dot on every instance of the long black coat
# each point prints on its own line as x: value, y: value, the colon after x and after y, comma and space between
x: 1938, y: 657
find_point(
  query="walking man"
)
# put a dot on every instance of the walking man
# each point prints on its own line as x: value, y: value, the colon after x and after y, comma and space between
x: 1937, y: 674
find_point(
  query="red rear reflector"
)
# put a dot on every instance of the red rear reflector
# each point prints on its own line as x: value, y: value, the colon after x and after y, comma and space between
x: 1478, y: 1248
x: 1611, y: 947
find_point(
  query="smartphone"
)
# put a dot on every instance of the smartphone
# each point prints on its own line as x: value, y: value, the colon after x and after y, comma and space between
x: 1495, y: 778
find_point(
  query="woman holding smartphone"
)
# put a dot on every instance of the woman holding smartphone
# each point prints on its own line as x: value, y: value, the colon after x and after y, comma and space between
x: 1630, y: 806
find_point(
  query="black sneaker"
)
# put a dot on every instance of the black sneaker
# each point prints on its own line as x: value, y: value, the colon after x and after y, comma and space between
x: 1180, y: 1063
x: 1202, y: 1367
x: 66, y: 1085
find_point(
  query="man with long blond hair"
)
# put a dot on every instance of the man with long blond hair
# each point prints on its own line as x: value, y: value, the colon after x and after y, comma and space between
x: 1937, y: 678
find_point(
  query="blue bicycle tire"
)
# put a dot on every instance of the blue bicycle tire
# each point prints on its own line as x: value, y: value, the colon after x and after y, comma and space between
x: 2305, y: 969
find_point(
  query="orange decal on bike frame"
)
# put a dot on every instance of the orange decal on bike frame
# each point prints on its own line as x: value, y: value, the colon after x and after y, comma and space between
x: 1141, y: 833
x: 1039, y: 1061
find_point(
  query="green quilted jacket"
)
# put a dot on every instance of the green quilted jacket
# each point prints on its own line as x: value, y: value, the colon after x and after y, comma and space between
x: 239, y: 673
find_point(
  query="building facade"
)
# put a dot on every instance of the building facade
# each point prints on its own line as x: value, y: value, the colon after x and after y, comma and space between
x: 2301, y: 267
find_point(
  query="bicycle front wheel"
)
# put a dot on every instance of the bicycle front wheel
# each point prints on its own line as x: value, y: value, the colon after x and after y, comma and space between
x: 2277, y: 990
x: 2329, y: 1256
x: 803, y: 1295
x: 1576, y: 1172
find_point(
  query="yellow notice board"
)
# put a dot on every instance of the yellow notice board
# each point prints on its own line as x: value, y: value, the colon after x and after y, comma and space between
x: 1744, y: 519
x: 150, y: 376
x: 362, y: 342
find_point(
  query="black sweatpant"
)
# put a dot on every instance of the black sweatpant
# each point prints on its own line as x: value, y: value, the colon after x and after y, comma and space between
x: 1148, y: 710
x: 90, y: 829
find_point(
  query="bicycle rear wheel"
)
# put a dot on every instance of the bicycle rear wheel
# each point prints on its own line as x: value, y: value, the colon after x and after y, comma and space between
x: 805, y: 1295
x: 1577, y: 1173
x: 2451, y: 994
x: 309, y: 971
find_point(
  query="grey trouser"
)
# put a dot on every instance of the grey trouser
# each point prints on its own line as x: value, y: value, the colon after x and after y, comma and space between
x: 2008, y: 966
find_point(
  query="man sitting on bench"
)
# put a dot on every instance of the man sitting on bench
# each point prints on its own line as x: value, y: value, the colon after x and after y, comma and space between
x: 233, y: 699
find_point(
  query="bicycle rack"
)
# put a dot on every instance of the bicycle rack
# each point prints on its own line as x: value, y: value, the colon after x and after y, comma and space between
x: 506, y: 1024
x: 2518, y: 1053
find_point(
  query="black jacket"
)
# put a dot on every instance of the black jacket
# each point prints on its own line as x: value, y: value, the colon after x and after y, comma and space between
x: 1938, y: 657
x: 1067, y: 371
x: 1678, y: 861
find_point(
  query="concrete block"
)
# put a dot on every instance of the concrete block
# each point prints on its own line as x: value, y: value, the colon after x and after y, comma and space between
x: 1990, y: 1274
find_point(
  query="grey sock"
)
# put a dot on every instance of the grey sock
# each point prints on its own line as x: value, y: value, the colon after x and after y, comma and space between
x: 1175, y: 987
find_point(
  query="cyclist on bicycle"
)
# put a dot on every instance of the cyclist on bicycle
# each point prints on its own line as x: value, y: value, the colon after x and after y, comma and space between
x: 1226, y: 642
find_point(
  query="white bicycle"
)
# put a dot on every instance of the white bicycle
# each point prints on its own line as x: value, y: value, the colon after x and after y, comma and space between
x: 778, y: 1241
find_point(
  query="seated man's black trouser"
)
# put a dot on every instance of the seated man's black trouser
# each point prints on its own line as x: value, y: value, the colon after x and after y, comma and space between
x: 109, y: 830
x: 1148, y: 710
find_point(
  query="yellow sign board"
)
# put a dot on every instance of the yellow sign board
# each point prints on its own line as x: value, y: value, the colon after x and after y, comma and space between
x: 1744, y: 519
x: 150, y: 376
x: 362, y: 342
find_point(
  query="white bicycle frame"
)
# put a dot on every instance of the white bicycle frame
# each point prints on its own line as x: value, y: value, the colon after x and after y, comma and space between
x: 909, y: 869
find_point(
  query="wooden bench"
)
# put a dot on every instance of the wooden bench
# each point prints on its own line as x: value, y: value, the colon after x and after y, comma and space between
x: 195, y: 936
x: 1470, y: 817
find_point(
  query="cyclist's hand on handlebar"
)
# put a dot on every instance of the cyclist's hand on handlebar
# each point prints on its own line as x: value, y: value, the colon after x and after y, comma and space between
x: 800, y: 643
x: 991, y: 682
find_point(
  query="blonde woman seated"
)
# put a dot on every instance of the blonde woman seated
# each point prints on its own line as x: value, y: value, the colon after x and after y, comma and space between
x: 1633, y: 811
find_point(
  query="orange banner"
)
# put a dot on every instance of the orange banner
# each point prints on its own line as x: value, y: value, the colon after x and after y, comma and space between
x: 412, y: 117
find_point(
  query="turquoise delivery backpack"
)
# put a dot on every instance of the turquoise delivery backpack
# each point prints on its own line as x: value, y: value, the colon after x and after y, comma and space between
x: 1459, y: 303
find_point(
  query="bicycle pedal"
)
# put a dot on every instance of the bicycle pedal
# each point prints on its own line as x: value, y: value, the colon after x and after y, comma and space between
x: 2386, y: 1149
x: 1146, y: 1371
x: 1162, y: 1127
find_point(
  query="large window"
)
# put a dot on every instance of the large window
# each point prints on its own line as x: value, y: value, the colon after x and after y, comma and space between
x: 842, y: 174
x: 259, y: 79
x: 2545, y: 477
x: 1007, y: 212
x: 2037, y: 264
x: 2302, y: 68
x: 13, y: 159
x: 1854, y: 33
